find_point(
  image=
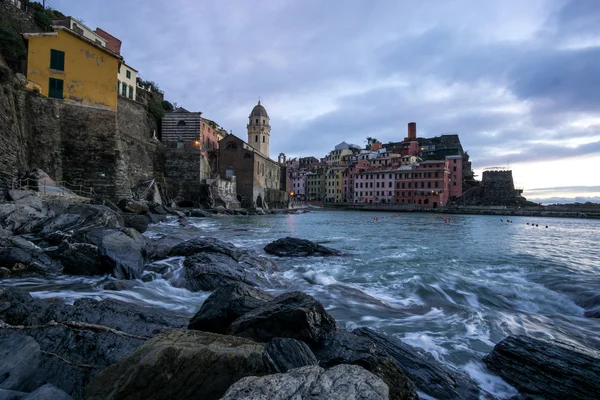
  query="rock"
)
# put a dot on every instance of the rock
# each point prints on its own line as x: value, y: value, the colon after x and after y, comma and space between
x: 343, y: 382
x: 225, y: 305
x: 160, y: 248
x: 20, y: 219
x: 158, y: 209
x: 17, y: 307
x: 208, y: 244
x: 46, y: 392
x: 11, y: 394
x: 293, y: 247
x: 136, y: 221
x: 4, y: 273
x: 17, y: 250
x: 81, y: 259
x: 16, y: 195
x: 180, y: 364
x: 123, y: 251
x: 293, y: 315
x: 283, y: 354
x: 147, y: 278
x: 220, y: 209
x: 429, y: 375
x: 343, y: 347
x: 155, y: 218
x: 198, y: 213
x: 554, y: 370
x: 19, y: 360
x: 133, y: 206
x: 178, y: 213
x: 119, y: 285
x: 79, y: 219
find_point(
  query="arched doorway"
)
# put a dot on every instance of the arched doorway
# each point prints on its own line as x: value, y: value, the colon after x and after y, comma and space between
x: 259, y: 202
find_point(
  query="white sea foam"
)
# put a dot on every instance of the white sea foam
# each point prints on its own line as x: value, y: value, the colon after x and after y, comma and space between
x: 488, y: 381
x: 426, y: 342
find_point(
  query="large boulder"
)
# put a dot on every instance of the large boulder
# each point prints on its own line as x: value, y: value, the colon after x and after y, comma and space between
x: 19, y: 359
x: 429, y: 375
x: 78, y: 219
x: 554, y: 370
x: 283, y: 354
x: 206, y: 245
x: 294, y: 247
x: 20, y: 218
x: 225, y: 305
x: 133, y: 206
x: 180, y: 364
x: 293, y: 315
x: 80, y: 259
x: 17, y: 307
x: 343, y: 347
x: 123, y: 251
x: 47, y: 392
x: 136, y: 221
x: 22, y: 257
x: 343, y: 382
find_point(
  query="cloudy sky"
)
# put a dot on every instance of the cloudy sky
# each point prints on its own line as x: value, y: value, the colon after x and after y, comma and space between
x: 519, y: 81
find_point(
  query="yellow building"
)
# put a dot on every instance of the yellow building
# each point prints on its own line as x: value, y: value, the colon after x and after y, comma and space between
x: 65, y: 65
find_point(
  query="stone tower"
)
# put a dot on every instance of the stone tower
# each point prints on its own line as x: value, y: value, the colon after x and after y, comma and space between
x: 259, y: 129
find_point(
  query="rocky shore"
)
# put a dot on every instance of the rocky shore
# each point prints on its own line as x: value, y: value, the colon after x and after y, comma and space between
x: 242, y: 343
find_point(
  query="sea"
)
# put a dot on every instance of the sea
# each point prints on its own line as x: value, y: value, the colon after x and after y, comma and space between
x: 450, y: 285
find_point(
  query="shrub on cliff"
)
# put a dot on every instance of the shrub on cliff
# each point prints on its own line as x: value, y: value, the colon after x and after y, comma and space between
x: 12, y: 46
x: 155, y: 109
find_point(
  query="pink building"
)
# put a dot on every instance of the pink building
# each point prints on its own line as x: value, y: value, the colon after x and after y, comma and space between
x: 455, y: 166
x: 298, y: 183
x: 348, y: 177
x: 424, y: 184
x: 374, y: 186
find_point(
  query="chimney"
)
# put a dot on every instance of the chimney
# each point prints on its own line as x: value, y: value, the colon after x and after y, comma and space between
x: 412, y: 131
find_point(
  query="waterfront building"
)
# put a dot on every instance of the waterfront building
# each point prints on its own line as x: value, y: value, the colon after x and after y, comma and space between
x: 181, y: 129
x: 209, y: 134
x: 425, y: 184
x: 298, y: 183
x: 315, y: 184
x: 349, y: 176
x: 374, y: 186
x: 73, y: 67
x: 259, y: 129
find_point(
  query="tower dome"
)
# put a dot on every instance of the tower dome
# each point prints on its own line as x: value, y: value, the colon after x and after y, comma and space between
x: 259, y: 111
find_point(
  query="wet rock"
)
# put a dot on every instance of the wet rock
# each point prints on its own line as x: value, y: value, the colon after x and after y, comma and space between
x: 26, y: 198
x: 225, y: 305
x: 159, y: 210
x: 46, y: 392
x: 293, y: 315
x: 177, y: 213
x: 17, y: 307
x: 180, y: 364
x: 4, y: 273
x: 429, y: 375
x: 343, y: 347
x: 79, y: 219
x: 155, y: 218
x: 29, y: 258
x: 344, y: 382
x: 554, y: 370
x: 206, y: 245
x: 198, y: 213
x: 20, y: 219
x: 136, y: 221
x: 123, y: 251
x: 147, y: 278
x: 160, y: 248
x: 119, y: 285
x: 133, y: 206
x: 81, y: 259
x: 11, y: 394
x: 294, y: 247
x: 19, y: 360
x: 283, y: 354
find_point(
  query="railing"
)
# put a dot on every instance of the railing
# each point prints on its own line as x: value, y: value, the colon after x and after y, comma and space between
x: 47, y: 186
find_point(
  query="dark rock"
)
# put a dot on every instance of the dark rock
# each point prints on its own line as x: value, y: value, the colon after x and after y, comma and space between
x: 136, y: 221
x: 554, y: 370
x: 133, y: 206
x: 429, y: 375
x: 4, y: 273
x: 197, y: 213
x: 123, y: 251
x: 155, y: 218
x: 160, y: 248
x: 26, y: 198
x: 19, y: 360
x: 158, y: 209
x: 180, y: 364
x: 11, y: 394
x: 16, y: 195
x: 203, y: 245
x: 283, y: 354
x: 31, y: 259
x: 343, y: 382
x: 17, y: 307
x: 79, y: 219
x: 293, y: 315
x: 147, y: 278
x: 225, y: 305
x: 81, y: 259
x: 343, y: 347
x: 47, y: 392
x: 293, y: 247
x: 20, y: 219
x: 178, y: 213
x: 119, y: 285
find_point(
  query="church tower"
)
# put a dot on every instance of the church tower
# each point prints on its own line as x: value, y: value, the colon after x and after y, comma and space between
x: 259, y: 129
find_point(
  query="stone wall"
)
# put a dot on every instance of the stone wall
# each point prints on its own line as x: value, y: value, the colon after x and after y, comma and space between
x: 498, y: 187
x: 184, y: 171
x: 224, y: 193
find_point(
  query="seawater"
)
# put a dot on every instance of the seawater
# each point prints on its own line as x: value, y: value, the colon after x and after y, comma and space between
x: 452, y: 288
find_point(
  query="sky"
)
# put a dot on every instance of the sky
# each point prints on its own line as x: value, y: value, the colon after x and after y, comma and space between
x: 519, y: 81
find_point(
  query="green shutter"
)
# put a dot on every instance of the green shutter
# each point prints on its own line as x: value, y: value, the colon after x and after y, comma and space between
x: 131, y: 92
x: 124, y: 90
x: 57, y: 60
x: 128, y: 74
x: 55, y: 88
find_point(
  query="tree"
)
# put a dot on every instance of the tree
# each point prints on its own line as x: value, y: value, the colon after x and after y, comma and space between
x: 155, y: 109
x: 167, y: 106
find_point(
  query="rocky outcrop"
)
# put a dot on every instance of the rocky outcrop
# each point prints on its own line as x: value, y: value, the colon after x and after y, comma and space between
x: 181, y: 364
x: 283, y: 354
x: 123, y: 251
x: 343, y: 347
x: 225, y: 305
x: 17, y: 307
x: 294, y: 247
x: 19, y: 359
x: 133, y: 206
x: 554, y: 370
x: 293, y: 315
x: 136, y: 221
x: 23, y: 258
x: 46, y: 392
x: 344, y: 382
x: 429, y: 375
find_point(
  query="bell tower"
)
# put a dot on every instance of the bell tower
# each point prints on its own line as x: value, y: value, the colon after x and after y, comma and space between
x: 259, y: 129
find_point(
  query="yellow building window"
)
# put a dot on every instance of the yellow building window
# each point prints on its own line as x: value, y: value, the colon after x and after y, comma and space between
x: 57, y: 60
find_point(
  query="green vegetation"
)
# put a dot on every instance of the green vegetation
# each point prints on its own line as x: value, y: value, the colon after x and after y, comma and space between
x: 155, y: 109
x: 167, y: 106
x: 12, y: 46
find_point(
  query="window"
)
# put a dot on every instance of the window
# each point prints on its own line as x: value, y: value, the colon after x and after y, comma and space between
x: 128, y: 74
x: 119, y: 69
x: 118, y: 86
x: 429, y: 185
x: 98, y: 42
x: 131, y: 92
x: 55, y: 88
x: 371, y: 184
x: 231, y: 146
x: 453, y: 183
x: 377, y: 184
x: 403, y: 185
x: 256, y: 138
x: 257, y: 120
x: 57, y: 60
x: 389, y: 193
x: 264, y: 139
x: 390, y: 184
x: 454, y: 169
x: 181, y: 123
x: 124, y: 89
x: 435, y: 184
x: 422, y: 185
x: 436, y: 175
